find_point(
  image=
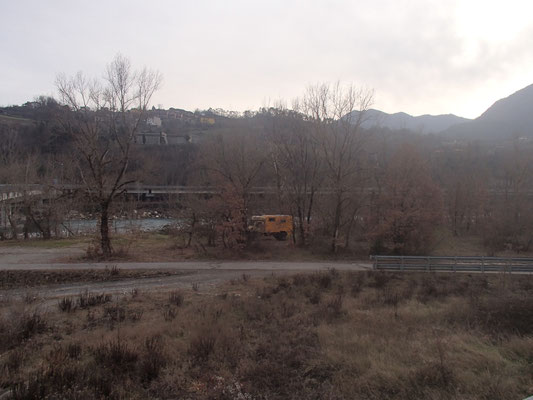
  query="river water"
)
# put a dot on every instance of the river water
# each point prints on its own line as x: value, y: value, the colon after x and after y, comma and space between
x: 81, y: 227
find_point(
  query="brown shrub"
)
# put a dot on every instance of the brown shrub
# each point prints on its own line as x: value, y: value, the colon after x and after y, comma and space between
x: 152, y: 359
x: 66, y: 304
x: 334, y: 308
x: 314, y: 296
x: 202, y: 344
x: 380, y: 279
x: 13, y: 362
x: 169, y: 313
x: 20, y: 326
x: 114, y: 313
x: 509, y: 314
x: 87, y: 299
x: 176, y: 297
x: 282, y: 367
x: 116, y: 355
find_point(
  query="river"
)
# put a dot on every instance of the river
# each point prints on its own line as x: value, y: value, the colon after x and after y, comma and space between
x: 81, y: 227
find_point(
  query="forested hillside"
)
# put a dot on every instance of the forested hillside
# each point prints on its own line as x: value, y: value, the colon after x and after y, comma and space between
x: 349, y: 188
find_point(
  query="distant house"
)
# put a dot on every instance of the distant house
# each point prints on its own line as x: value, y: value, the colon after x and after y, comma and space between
x: 154, y: 121
x: 32, y: 104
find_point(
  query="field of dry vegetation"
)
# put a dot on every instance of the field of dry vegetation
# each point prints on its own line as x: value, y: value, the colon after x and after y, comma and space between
x: 30, y: 279
x: 327, y: 335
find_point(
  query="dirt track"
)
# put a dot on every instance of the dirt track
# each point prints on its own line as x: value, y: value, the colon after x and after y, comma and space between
x: 204, y: 274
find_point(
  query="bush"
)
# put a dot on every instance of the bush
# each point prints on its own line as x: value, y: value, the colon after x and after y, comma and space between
x: 31, y: 324
x: 510, y: 314
x: 66, y: 304
x: 334, y: 308
x: 380, y: 279
x: 202, y: 344
x: 169, y: 313
x: 324, y: 280
x: 13, y: 362
x: 116, y: 355
x: 19, y: 327
x: 314, y: 297
x: 115, y: 313
x: 86, y: 299
x: 74, y: 351
x: 176, y: 297
x: 152, y: 359
x: 357, y: 283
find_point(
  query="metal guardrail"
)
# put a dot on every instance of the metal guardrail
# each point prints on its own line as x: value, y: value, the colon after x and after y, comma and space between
x: 452, y: 264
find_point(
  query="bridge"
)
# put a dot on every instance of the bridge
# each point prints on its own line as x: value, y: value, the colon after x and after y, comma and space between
x: 141, y: 191
x: 13, y: 195
x: 145, y: 192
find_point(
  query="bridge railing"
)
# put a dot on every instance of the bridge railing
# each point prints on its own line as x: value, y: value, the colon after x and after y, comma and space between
x: 452, y: 264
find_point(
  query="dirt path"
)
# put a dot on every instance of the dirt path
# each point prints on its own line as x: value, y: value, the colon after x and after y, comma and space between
x: 201, y: 277
x: 201, y: 274
x: 189, y: 265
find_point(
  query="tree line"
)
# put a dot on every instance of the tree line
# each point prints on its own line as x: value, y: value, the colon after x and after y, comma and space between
x: 349, y: 189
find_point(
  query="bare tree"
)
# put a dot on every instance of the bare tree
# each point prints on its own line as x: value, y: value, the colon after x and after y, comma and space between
x: 465, y: 179
x: 103, y: 118
x: 295, y: 156
x: 37, y: 202
x: 233, y: 164
x: 510, y: 221
x: 9, y: 148
x: 337, y: 113
x: 410, y: 204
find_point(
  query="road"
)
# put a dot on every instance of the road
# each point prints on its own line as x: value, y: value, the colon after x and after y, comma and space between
x: 203, y: 274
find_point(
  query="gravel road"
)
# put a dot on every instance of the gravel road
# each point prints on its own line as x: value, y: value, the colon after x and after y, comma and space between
x: 204, y: 274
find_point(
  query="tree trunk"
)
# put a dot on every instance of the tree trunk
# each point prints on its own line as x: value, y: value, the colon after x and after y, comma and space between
x: 13, y: 225
x: 44, y: 230
x: 336, y: 225
x: 302, y: 226
x: 26, y: 228
x: 349, y: 228
x: 191, y: 232
x: 105, y: 241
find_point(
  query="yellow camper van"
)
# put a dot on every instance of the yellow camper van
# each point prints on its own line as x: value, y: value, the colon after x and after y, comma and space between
x: 279, y: 226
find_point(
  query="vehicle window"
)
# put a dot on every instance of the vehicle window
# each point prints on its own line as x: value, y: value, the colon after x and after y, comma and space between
x: 283, y: 221
x: 271, y: 219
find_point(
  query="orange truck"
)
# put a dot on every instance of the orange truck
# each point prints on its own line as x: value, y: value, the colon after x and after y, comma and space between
x: 279, y: 226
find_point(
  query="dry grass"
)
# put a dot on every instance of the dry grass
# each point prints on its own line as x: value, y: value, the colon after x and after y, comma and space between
x: 325, y: 335
x: 10, y: 279
x: 447, y: 244
x: 151, y: 246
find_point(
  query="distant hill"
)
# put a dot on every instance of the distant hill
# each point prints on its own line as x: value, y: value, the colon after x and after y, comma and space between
x: 401, y: 121
x: 508, y: 117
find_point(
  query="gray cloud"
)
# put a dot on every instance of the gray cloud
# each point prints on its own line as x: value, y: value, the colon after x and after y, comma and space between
x: 236, y: 54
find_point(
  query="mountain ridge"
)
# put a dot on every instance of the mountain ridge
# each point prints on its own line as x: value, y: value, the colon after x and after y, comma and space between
x: 425, y: 123
x: 508, y: 117
x: 511, y: 116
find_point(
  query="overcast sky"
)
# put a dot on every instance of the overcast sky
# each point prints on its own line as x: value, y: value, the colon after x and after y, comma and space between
x: 419, y: 56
